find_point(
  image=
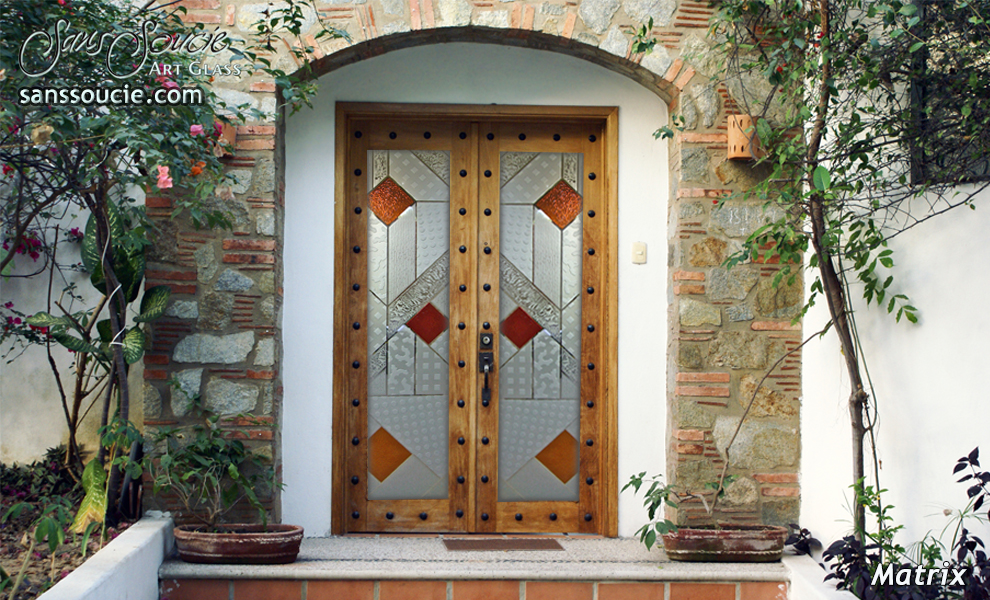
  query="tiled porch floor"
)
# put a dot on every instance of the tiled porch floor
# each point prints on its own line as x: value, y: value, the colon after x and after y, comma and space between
x: 414, y: 568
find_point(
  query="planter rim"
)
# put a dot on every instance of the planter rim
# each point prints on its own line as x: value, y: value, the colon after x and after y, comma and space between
x: 253, y: 529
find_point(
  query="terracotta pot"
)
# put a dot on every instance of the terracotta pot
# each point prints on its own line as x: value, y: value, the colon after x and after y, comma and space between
x: 731, y: 543
x: 243, y: 544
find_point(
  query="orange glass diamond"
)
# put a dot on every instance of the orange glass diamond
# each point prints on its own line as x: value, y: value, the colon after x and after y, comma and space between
x: 560, y: 456
x: 561, y: 204
x: 385, y: 454
x: 388, y: 200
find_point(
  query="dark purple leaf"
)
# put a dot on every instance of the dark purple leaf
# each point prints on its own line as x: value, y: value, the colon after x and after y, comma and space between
x: 959, y: 467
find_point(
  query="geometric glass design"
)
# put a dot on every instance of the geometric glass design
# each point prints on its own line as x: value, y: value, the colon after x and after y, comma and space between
x: 408, y: 280
x: 541, y: 251
x: 388, y: 201
x: 560, y: 456
x: 385, y: 454
x: 428, y: 323
x: 561, y: 204
x: 519, y: 327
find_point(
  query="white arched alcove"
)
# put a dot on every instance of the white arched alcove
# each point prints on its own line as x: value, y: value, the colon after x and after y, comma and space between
x: 468, y: 74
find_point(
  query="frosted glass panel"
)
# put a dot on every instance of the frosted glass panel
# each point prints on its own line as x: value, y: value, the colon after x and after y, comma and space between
x: 408, y: 283
x: 540, y: 311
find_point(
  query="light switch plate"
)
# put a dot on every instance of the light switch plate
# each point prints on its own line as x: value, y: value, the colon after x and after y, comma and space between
x: 639, y: 253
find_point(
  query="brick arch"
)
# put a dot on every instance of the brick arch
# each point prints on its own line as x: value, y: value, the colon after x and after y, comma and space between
x: 661, y: 84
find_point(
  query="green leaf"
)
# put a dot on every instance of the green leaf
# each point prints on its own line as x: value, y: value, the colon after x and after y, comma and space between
x: 84, y: 544
x: 93, y: 507
x: 916, y: 46
x: 133, y: 345
x: 154, y: 303
x: 73, y: 343
x: 43, y: 319
x: 821, y: 178
x: 89, y: 251
x: 9, y: 269
x: 105, y: 330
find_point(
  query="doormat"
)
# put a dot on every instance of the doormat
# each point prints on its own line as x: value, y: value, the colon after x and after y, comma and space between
x: 501, y: 544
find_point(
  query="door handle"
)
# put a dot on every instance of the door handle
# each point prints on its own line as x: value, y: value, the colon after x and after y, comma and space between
x: 486, y: 364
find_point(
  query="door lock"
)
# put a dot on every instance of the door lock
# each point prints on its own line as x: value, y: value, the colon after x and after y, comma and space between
x: 487, y: 339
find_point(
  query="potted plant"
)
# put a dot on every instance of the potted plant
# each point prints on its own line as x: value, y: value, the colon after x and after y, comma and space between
x: 210, y: 474
x: 713, y: 543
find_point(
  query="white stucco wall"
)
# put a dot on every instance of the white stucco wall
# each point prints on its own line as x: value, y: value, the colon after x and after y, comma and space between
x: 468, y: 74
x: 930, y: 383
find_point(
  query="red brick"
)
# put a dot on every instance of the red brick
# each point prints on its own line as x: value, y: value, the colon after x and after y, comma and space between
x: 681, y: 290
x: 688, y: 276
x: 338, y: 590
x: 702, y: 591
x: 486, y: 590
x: 236, y: 421
x: 267, y: 589
x: 261, y: 86
x: 195, y: 589
x: 249, y: 259
x: 200, y: 18
x: 249, y: 434
x: 689, y: 435
x: 156, y: 359
x: 198, y: 4
x: 171, y: 275
x: 684, y: 78
x: 260, y: 144
x: 702, y: 391
x: 412, y: 590
x: 257, y: 129
x: 782, y: 491
x: 702, y: 193
x: 177, y: 288
x: 229, y: 16
x: 157, y: 202
x: 235, y: 244
x: 776, y: 477
x: 260, y: 374
x: 689, y: 449
x: 674, y: 69
x: 763, y: 590
x: 704, y: 138
x: 704, y: 377
x: 773, y: 326
x: 630, y: 591
x: 559, y: 590
x: 156, y: 374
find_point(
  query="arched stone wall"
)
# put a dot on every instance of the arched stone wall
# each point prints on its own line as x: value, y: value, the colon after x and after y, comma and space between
x: 221, y: 335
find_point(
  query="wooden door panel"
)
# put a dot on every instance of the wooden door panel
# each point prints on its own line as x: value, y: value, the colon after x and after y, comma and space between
x: 367, y: 462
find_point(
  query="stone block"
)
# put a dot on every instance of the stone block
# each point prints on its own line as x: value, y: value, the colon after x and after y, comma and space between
x: 240, y: 180
x: 220, y: 349
x: 597, y: 14
x: 189, y: 382
x: 183, y: 309
x: 224, y: 397
x: 232, y: 281
x: 743, y: 350
x: 264, y: 356
x: 264, y: 223
x: 267, y: 308
x: 760, y: 445
x: 739, y: 312
x: 657, y: 61
x: 741, y: 492
x: 769, y: 402
x: 695, y: 314
x: 264, y: 176
x: 781, y: 302
x: 215, y: 311
x: 731, y: 284
x: 454, y: 13
x: 692, y: 414
x: 706, y: 98
x: 206, y: 263
x: 709, y: 252
x: 690, y: 356
x: 492, y: 18
x: 780, y: 512
x: 641, y: 11
x: 615, y: 42
x: 152, y: 402
x: 694, y: 164
x: 738, y: 220
x: 249, y: 14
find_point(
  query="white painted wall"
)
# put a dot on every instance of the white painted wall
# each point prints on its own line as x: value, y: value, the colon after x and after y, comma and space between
x: 929, y: 378
x: 469, y: 74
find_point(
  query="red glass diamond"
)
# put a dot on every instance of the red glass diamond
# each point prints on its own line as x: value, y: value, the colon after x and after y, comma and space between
x: 388, y: 201
x: 428, y: 323
x: 561, y: 204
x: 519, y: 327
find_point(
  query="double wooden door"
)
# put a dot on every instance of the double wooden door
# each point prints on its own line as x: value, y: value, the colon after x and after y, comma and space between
x: 471, y: 350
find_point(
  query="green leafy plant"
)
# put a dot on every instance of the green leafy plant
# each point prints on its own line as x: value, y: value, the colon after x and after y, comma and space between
x: 210, y: 473
x: 660, y: 495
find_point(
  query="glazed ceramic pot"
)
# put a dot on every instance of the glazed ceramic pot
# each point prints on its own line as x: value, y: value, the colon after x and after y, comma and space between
x: 730, y: 543
x: 245, y: 544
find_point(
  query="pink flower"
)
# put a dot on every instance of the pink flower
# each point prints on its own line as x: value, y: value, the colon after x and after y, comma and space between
x: 217, y: 128
x: 170, y: 85
x: 164, y: 181
x: 195, y: 130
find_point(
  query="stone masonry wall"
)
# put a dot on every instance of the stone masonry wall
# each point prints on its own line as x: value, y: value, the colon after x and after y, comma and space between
x: 221, y: 336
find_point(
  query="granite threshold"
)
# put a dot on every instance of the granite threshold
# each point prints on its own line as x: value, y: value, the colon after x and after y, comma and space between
x: 584, y: 558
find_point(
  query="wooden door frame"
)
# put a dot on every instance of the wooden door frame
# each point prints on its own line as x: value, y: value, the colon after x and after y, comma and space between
x: 345, y: 237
